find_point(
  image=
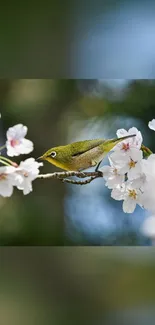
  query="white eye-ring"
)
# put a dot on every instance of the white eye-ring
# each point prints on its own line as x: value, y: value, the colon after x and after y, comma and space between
x: 53, y: 154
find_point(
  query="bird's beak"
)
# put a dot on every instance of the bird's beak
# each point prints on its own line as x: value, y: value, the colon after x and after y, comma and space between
x: 40, y: 158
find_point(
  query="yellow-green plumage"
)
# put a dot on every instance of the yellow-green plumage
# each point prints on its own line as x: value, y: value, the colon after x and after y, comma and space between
x: 80, y: 155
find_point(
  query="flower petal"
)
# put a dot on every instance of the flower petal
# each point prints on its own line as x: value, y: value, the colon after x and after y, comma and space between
x: 25, y: 147
x: 106, y: 171
x: 17, y: 132
x: 121, y: 133
x: 129, y: 205
x: 117, y: 194
x: 151, y: 125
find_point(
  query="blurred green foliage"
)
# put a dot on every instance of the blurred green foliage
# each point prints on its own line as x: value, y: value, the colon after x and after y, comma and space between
x: 64, y: 286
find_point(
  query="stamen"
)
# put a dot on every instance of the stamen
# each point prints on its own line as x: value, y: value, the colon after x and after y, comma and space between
x: 132, y: 163
x: 125, y: 146
x: 115, y: 171
x: 132, y: 194
x: 3, y: 176
x: 25, y: 174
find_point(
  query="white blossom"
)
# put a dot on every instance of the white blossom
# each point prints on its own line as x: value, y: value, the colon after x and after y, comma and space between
x: 111, y: 175
x: 151, y: 125
x: 139, y: 182
x: 148, y: 196
x: 27, y: 172
x: 129, y: 163
x: 130, y: 196
x: 118, y: 192
x: 148, y: 188
x: 126, y: 145
x: 7, y: 180
x: 140, y: 187
x: 16, y: 143
x: 148, y: 167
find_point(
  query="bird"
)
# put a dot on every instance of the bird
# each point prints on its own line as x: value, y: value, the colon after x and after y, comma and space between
x: 81, y: 155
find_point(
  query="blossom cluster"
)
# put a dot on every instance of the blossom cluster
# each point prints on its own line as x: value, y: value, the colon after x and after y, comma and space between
x: 131, y: 174
x: 11, y: 174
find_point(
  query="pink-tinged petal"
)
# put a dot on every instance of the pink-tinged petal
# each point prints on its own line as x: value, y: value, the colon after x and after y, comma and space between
x: 28, y: 171
x: 11, y: 151
x: 16, y: 144
x: 24, y: 147
x: 132, y: 142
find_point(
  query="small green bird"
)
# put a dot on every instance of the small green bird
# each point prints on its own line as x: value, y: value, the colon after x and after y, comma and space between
x: 81, y: 155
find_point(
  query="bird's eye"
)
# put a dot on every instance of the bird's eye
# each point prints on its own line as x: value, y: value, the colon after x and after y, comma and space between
x: 53, y: 154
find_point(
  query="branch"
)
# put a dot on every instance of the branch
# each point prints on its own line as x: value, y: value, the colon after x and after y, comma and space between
x: 62, y: 176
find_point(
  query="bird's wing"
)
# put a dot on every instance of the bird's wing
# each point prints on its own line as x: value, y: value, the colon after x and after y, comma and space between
x: 81, y: 147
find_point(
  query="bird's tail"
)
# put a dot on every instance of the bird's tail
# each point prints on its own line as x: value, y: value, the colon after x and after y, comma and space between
x: 112, y: 143
x: 117, y: 140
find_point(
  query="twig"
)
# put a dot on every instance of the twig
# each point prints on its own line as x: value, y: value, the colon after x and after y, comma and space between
x: 72, y: 181
x: 62, y: 176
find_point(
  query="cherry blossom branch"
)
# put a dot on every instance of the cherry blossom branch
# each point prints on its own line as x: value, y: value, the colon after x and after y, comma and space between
x: 62, y: 176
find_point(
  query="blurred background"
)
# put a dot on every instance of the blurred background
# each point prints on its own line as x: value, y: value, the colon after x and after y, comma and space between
x: 78, y: 39
x: 58, y: 112
x: 70, y: 39
x: 66, y: 286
